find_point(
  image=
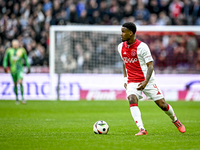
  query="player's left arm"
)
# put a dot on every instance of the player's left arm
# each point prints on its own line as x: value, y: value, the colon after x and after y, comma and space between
x: 143, y: 84
x: 149, y: 71
x: 26, y: 61
x: 149, y: 62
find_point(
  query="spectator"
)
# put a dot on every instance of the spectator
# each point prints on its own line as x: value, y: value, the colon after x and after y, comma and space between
x: 196, y: 12
x: 153, y: 19
x: 95, y: 19
x: 92, y: 6
x: 163, y: 19
x: 87, y: 66
x: 153, y: 7
x: 128, y: 11
x: 181, y: 57
x: 36, y: 57
x: 103, y: 9
x: 161, y: 61
x: 48, y: 15
x: 56, y: 7
x: 187, y: 12
x: 114, y: 11
x: 2, y: 7
x: 80, y: 7
x: 73, y: 18
x: 175, y: 11
x: 16, y: 10
x: 141, y: 13
x: 25, y: 9
x: 70, y: 64
x: 34, y: 4
x: 47, y: 5
x: 164, y: 6
x: 80, y: 57
x: 83, y: 19
x: 61, y: 18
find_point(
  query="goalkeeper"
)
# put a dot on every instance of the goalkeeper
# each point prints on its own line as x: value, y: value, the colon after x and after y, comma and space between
x: 15, y: 56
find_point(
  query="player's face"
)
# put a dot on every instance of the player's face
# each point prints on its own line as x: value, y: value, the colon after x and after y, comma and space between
x: 15, y: 44
x: 126, y: 34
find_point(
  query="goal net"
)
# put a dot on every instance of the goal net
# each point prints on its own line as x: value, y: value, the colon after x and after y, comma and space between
x: 81, y: 49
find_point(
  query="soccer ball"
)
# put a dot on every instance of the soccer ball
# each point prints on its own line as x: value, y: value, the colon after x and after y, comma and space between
x: 100, y: 127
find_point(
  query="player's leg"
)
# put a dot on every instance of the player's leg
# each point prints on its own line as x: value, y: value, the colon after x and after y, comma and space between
x: 167, y: 108
x: 153, y: 92
x: 20, y: 80
x: 133, y: 96
x: 14, y: 77
x: 22, y: 90
x: 16, y: 92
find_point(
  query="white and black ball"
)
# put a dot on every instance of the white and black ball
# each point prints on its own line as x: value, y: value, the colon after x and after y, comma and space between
x: 100, y: 127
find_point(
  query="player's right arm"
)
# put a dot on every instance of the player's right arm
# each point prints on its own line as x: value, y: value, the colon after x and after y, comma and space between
x: 5, y: 60
x: 124, y: 68
x: 125, y: 76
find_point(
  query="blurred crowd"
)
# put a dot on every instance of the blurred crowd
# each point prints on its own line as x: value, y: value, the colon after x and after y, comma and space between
x: 29, y: 22
x: 174, y: 53
x: 88, y: 53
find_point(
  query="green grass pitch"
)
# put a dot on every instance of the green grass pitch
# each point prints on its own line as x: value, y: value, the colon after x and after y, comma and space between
x: 69, y: 125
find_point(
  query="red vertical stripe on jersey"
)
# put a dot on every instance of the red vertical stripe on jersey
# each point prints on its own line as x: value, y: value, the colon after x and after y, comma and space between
x: 131, y: 61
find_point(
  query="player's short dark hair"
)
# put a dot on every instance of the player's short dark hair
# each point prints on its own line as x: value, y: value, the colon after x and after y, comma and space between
x: 131, y: 26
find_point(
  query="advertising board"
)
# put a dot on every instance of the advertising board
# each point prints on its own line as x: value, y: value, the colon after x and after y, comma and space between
x: 97, y: 87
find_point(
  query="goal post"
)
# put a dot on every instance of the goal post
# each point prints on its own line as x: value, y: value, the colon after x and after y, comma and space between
x: 83, y: 49
x: 52, y: 62
x: 60, y: 37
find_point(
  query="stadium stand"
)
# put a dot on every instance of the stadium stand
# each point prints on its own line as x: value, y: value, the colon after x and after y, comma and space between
x: 29, y: 22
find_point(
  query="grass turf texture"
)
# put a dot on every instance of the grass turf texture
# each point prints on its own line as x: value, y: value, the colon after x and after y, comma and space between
x: 68, y: 125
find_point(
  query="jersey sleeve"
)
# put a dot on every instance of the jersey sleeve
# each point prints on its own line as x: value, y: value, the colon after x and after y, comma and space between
x: 26, y: 58
x: 120, y: 49
x: 146, y: 54
x: 5, y: 59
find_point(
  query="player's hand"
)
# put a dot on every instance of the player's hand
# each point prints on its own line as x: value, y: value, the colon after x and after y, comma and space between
x: 29, y: 70
x: 5, y: 69
x: 125, y: 85
x: 142, y: 85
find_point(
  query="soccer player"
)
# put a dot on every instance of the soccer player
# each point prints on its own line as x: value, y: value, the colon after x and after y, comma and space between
x: 15, y: 56
x: 139, y: 77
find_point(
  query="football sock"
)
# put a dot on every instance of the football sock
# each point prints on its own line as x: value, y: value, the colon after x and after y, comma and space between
x: 22, y: 91
x: 136, y: 114
x: 15, y: 90
x: 170, y: 113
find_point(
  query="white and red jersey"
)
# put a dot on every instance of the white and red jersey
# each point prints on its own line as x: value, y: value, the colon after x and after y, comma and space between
x: 135, y: 57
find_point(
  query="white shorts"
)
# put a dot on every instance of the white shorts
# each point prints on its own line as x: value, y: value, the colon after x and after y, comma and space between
x: 152, y: 91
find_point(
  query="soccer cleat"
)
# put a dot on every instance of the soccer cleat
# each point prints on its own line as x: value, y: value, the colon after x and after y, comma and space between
x: 17, y: 102
x: 180, y: 126
x: 23, y: 102
x: 142, y: 132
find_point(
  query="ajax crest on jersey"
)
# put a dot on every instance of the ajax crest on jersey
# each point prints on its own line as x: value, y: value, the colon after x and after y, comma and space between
x: 100, y: 127
x: 133, y: 53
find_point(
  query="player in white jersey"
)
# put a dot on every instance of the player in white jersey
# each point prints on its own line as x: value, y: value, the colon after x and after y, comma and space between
x: 139, y: 77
